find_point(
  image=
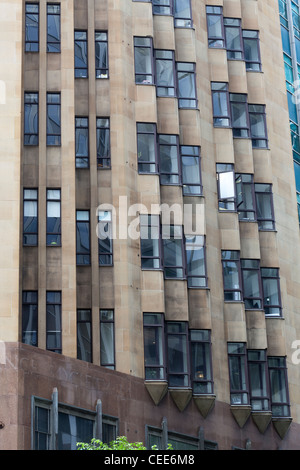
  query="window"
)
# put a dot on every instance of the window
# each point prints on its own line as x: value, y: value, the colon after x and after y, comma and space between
x: 169, y: 159
x: 280, y: 405
x: 53, y: 217
x: 42, y: 432
x: 271, y: 291
x: 257, y: 366
x: 31, y: 118
x: 251, y: 50
x: 83, y: 250
x: 103, y: 143
x: 201, y: 368
x: 81, y: 55
x: 30, y: 318
x: 215, y: 27
x: 105, y: 238
x: 143, y: 57
x: 237, y: 363
x: 107, y: 339
x: 53, y: 322
x: 150, y: 241
x: 173, y: 252
x: 154, y: 346
x: 53, y: 119
x: 233, y: 38
x: 220, y: 101
x: 183, y: 14
x: 32, y: 27
x: 53, y: 27
x: 146, y: 148
x: 186, y: 82
x: 82, y: 142
x: 191, y: 170
x: 72, y: 429
x: 161, y: 437
x: 226, y: 187
x: 232, y: 276
x: 101, y: 54
x: 165, y: 71
x: 251, y: 284
x: 30, y: 217
x: 239, y: 115
x: 178, y: 359
x: 245, y: 197
x: 195, y: 260
x: 264, y: 206
x: 258, y: 125
x: 162, y: 7
x: 84, y: 335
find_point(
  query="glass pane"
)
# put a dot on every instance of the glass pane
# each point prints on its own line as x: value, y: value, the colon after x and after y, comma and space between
x: 107, y: 343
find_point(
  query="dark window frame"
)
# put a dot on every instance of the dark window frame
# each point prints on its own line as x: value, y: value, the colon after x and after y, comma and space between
x: 192, y: 100
x: 108, y: 365
x: 102, y: 73
x: 240, y: 355
x: 251, y: 298
x: 168, y: 86
x: 153, y: 221
x: 88, y: 323
x: 262, y: 365
x: 154, y: 135
x: 202, y: 377
x: 145, y: 81
x: 81, y: 71
x: 82, y: 122
x: 256, y: 39
x: 33, y: 320
x: 172, y: 235
x: 105, y: 255
x: 56, y: 241
x: 162, y: 143
x: 35, y: 135
x: 236, y: 292
x: 35, y: 233
x: 193, y: 153
x: 236, y: 51
x: 53, y: 139
x: 58, y: 333
x: 283, y: 404
x: 54, y: 44
x: 103, y: 160
x: 185, y: 374
x: 277, y: 279
x: 262, y: 220
x: 83, y: 258
x: 29, y: 43
x: 218, y: 119
x: 210, y: 11
x: 160, y: 367
x: 200, y: 242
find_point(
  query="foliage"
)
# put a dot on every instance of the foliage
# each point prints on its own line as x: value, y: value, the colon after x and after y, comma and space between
x: 120, y: 443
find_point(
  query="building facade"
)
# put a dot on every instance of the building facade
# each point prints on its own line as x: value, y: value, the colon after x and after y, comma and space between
x: 149, y: 225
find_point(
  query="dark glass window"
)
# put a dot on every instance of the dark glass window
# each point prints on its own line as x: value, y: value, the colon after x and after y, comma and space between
x: 31, y: 118
x: 53, y: 119
x: 239, y: 391
x: 42, y: 432
x: 53, y: 217
x: 232, y: 276
x: 251, y: 50
x: 258, y: 125
x: 245, y: 197
x: 154, y: 346
x: 182, y: 14
x: 147, y: 148
x: 73, y: 429
x: 162, y: 7
x: 186, y: 82
x: 280, y: 404
x: 191, y: 170
x: 220, y: 101
x: 105, y: 237
x: 81, y: 54
x: 168, y: 146
x: 264, y: 206
x: 226, y: 187
x: 178, y: 356
x: 173, y: 252
x: 143, y: 57
x: 215, y: 27
x: 30, y: 318
x: 83, y: 249
x: 32, y: 27
x: 251, y: 284
x: 233, y: 38
x: 103, y: 143
x: 101, y: 54
x: 271, y: 291
x: 150, y: 241
x: 195, y: 260
x: 82, y: 142
x: 84, y: 335
x: 107, y: 339
x: 53, y: 27
x: 239, y: 115
x: 165, y: 70
x: 201, y: 367
x: 258, y: 380
x: 30, y: 217
x: 53, y: 322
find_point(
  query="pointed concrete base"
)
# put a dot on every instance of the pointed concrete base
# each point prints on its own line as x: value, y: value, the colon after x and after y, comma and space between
x: 204, y: 403
x: 282, y: 425
x: 181, y: 397
x: 157, y: 390
x: 241, y: 414
x: 262, y: 420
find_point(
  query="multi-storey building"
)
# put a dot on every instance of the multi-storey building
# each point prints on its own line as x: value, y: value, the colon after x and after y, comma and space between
x: 122, y: 122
